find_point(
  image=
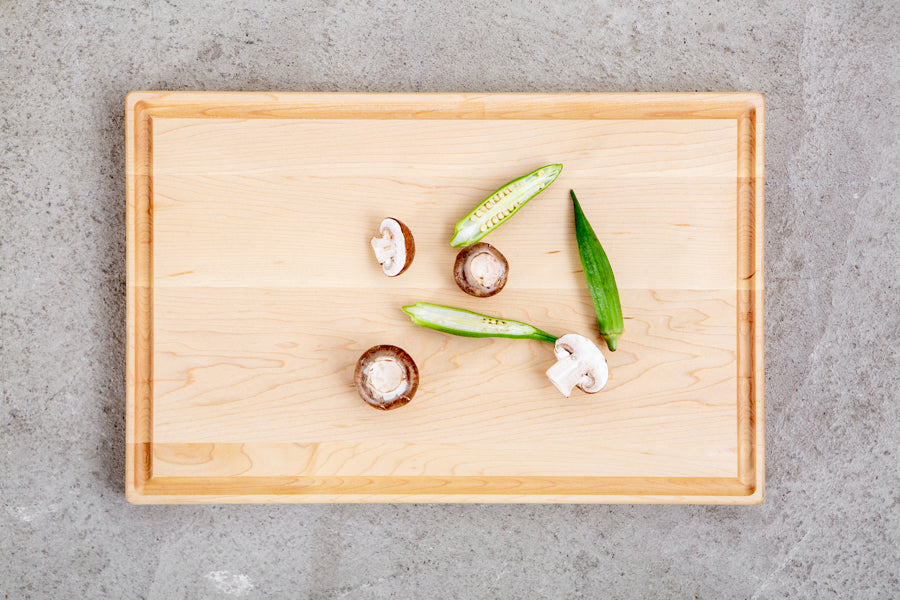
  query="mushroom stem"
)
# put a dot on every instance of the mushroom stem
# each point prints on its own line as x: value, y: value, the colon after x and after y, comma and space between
x: 387, y: 379
x: 566, y: 374
x: 384, y: 247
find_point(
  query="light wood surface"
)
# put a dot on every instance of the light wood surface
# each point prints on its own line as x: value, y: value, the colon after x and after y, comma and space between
x: 253, y: 290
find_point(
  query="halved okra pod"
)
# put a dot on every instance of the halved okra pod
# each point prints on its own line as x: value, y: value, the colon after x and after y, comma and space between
x: 497, y: 208
x: 459, y: 321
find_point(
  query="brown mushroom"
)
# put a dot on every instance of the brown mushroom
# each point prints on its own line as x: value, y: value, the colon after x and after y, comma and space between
x: 480, y: 270
x: 395, y: 249
x: 386, y: 377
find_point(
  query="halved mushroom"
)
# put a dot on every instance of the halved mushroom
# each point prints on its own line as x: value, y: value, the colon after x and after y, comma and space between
x: 480, y: 270
x: 386, y: 377
x: 579, y: 362
x: 395, y: 248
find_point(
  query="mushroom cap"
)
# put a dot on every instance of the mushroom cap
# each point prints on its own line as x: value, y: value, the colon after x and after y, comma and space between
x: 596, y: 371
x: 480, y: 270
x: 395, y: 249
x: 386, y: 377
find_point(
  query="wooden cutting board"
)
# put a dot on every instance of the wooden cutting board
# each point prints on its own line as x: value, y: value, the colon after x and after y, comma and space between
x: 252, y: 291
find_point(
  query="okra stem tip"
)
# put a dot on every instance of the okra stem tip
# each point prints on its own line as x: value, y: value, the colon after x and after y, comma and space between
x: 543, y: 336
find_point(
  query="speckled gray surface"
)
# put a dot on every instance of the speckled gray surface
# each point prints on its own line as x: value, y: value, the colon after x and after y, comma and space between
x: 830, y: 526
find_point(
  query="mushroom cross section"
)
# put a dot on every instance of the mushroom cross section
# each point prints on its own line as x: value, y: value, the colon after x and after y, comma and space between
x: 395, y: 249
x: 579, y: 363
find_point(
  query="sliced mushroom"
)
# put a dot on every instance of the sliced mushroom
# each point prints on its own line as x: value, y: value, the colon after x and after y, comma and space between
x: 386, y: 377
x: 579, y: 363
x: 395, y: 249
x: 480, y: 270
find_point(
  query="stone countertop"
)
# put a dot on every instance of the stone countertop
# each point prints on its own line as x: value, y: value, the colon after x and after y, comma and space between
x: 830, y: 526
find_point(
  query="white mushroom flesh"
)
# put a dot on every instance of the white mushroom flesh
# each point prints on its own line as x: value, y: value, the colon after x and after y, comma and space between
x: 390, y: 248
x: 384, y: 248
x: 386, y: 378
x: 579, y: 363
x: 485, y: 269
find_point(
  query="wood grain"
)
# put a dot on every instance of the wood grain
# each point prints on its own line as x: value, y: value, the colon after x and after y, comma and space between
x: 252, y: 292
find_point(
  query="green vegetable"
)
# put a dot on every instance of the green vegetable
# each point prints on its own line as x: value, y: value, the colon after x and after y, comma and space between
x: 600, y: 279
x: 463, y: 322
x: 497, y: 208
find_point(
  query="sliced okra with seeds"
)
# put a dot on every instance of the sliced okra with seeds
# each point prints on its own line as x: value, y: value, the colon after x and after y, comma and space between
x: 498, y: 207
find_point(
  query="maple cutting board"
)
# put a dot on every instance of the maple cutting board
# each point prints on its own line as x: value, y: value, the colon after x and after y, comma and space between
x: 252, y: 291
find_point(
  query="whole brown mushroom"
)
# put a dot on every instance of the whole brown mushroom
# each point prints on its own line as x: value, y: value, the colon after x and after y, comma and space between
x: 386, y: 377
x: 480, y: 270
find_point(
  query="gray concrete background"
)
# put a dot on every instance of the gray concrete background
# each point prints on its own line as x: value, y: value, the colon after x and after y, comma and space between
x: 830, y: 527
